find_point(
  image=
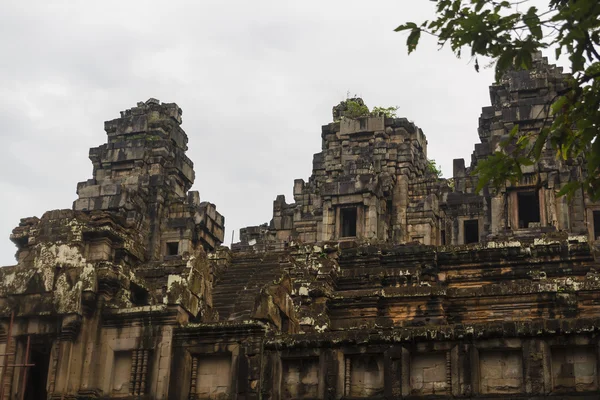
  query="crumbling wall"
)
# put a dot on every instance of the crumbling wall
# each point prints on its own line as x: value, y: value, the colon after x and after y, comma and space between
x: 364, y: 169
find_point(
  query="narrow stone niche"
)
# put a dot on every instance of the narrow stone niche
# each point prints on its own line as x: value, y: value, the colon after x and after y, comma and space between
x: 364, y: 375
x: 574, y: 369
x: 213, y: 376
x: 300, y: 378
x: 428, y: 374
x: 121, y: 373
x: 501, y: 371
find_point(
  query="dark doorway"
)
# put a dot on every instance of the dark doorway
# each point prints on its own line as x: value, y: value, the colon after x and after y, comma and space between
x: 471, y: 231
x: 529, y: 208
x: 172, y: 248
x: 596, y: 225
x: 443, y: 237
x: 37, y: 376
x: 348, y: 220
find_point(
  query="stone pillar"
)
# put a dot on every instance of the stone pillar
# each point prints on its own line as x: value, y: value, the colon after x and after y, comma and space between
x: 162, y: 365
x: 11, y: 349
x: 53, y: 367
x: 194, y: 377
x: 393, y: 372
x: 461, y: 370
x: 449, y: 372
x: 405, y: 368
x: 472, y: 367
x: 536, y: 367
x: 401, y: 203
x: 334, y: 382
x: 544, y: 221
x: 329, y: 217
x: 90, y: 347
x: 563, y: 216
x: 370, y: 229
x: 347, y: 376
x: 180, y: 388
x: 498, y: 214
x: 551, y: 208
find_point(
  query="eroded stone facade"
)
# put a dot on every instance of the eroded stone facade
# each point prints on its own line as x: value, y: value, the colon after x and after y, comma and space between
x: 380, y: 280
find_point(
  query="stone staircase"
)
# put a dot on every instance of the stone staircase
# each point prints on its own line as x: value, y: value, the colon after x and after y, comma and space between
x: 236, y: 291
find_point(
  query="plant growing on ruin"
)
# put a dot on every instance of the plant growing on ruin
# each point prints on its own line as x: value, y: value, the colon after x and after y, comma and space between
x: 433, y: 168
x: 388, y: 112
x: 355, y: 109
x: 509, y: 32
x: 451, y: 183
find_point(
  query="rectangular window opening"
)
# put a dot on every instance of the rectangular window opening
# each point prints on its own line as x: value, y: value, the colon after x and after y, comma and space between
x: 363, y: 123
x: 443, y: 237
x: 529, y: 209
x: 172, y: 248
x: 348, y: 220
x: 471, y: 231
x: 596, y: 225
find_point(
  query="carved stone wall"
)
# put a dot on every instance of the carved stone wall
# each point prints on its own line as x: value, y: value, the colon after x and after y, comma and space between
x: 380, y: 280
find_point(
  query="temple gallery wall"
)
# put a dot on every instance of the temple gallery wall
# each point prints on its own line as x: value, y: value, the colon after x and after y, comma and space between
x: 377, y: 280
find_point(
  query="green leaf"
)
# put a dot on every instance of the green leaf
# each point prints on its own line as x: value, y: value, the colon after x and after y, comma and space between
x: 532, y: 21
x: 405, y: 27
x: 413, y: 40
x: 568, y: 189
x: 539, y: 143
x: 503, y: 64
x: 558, y: 105
x: 509, y: 36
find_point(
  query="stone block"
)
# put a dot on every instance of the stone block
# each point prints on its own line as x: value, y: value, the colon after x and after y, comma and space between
x: 501, y: 371
x: 366, y: 375
x: 428, y: 375
x: 300, y: 378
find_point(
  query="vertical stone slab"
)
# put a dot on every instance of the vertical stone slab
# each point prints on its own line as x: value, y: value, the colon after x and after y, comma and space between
x: 473, y: 367
x: 270, y: 376
x: 498, y: 214
x: 329, y: 221
x: 53, y: 367
x: 393, y: 372
x: 242, y: 374
x: 501, y: 371
x: 460, y: 363
x: 181, y: 367
x: 535, y: 365
x: 401, y: 200
x: 371, y: 219
x: 334, y: 375
x: 405, y: 371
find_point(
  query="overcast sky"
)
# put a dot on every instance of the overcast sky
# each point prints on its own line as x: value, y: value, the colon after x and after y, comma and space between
x: 255, y: 79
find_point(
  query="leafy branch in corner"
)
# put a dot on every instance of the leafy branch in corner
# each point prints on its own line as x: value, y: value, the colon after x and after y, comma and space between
x: 509, y: 36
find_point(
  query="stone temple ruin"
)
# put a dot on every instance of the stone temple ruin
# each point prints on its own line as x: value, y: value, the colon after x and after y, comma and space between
x: 379, y: 280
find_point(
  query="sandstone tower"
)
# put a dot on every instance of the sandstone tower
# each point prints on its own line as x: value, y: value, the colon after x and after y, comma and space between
x: 380, y: 279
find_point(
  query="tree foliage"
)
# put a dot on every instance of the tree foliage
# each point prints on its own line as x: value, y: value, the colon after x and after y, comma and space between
x: 354, y: 107
x: 388, y: 112
x: 433, y: 168
x: 509, y: 32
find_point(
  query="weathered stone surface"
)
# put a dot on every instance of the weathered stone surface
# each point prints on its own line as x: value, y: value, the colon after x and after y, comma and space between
x: 380, y: 280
